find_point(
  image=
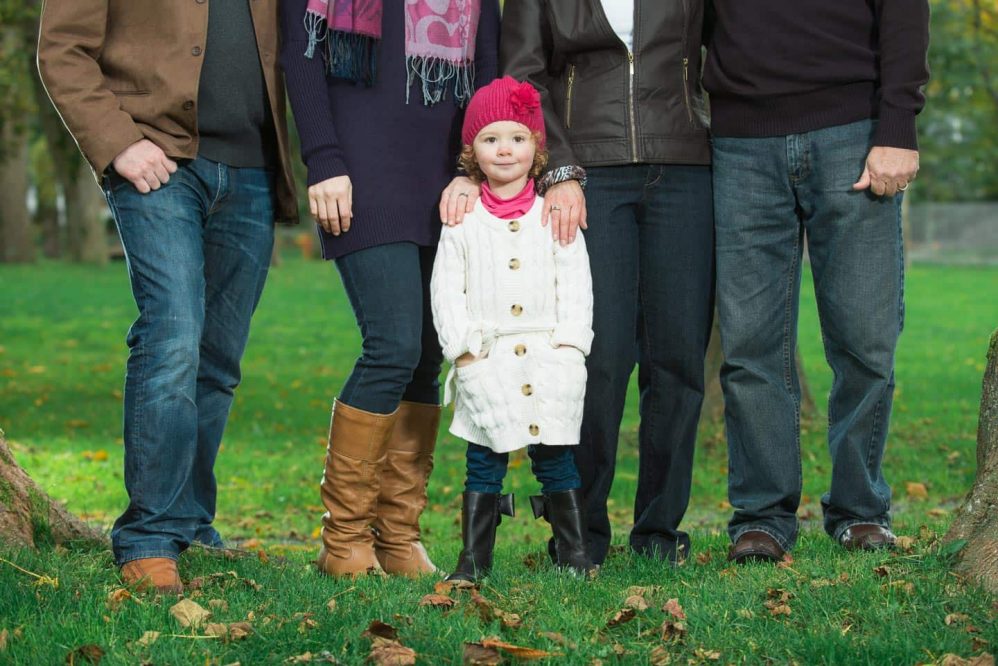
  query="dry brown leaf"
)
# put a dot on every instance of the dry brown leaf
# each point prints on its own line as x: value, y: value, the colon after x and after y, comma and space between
x: 673, y: 608
x: 189, y: 613
x: 4, y: 635
x: 882, y: 571
x: 642, y: 590
x: 378, y: 629
x: 779, y: 594
x: 660, y: 656
x: 476, y: 654
x: 637, y: 602
x: 148, y: 638
x: 673, y: 631
x: 954, y: 660
x: 85, y: 654
x: 437, y: 601
x: 707, y: 655
x: 779, y: 609
x: 331, y: 605
x: 558, y: 638
x: 307, y: 623
x: 905, y: 543
x: 118, y: 597
x: 704, y: 557
x: 385, y: 652
x: 518, y: 651
x: 916, y: 490
x: 621, y: 616
x: 324, y: 657
x: 785, y: 562
x: 509, y: 620
x: 216, y: 629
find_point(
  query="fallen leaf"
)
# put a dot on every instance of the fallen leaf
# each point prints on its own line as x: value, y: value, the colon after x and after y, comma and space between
x: 916, y: 490
x: 251, y: 544
x: 4, y: 635
x: 378, y: 629
x: 621, y: 616
x: 216, y: 629
x: 90, y: 654
x: 437, y: 601
x: 882, y: 571
x: 673, y: 608
x: 518, y: 651
x: 643, y: 590
x: 779, y: 609
x: 386, y: 652
x: 704, y: 557
x: 673, y: 631
x: 637, y: 602
x: 905, y: 543
x: 118, y: 597
x: 509, y: 620
x: 331, y: 605
x: 659, y: 656
x: 709, y: 655
x: 558, y: 638
x: 98, y: 456
x: 785, y: 562
x: 476, y: 654
x: 307, y: 623
x: 189, y: 613
x: 745, y: 613
x: 954, y: 660
x: 148, y: 638
x: 533, y: 561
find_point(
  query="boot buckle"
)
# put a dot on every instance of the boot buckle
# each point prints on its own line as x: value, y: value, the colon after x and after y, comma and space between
x: 506, y: 505
x: 539, y: 506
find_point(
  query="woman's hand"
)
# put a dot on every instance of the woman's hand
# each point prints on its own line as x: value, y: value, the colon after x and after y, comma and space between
x: 565, y: 208
x: 331, y: 204
x: 457, y: 199
x: 464, y: 359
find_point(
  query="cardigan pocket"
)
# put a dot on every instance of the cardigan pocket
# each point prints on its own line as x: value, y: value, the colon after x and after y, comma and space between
x: 479, y: 394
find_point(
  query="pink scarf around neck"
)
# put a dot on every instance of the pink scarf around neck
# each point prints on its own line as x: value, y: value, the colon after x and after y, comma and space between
x: 507, y: 209
x: 439, y: 42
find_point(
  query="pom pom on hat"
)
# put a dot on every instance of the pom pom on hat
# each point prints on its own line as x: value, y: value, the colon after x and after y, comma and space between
x: 503, y: 99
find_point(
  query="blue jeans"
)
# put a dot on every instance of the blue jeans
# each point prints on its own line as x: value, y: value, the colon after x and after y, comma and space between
x: 198, y: 250
x: 769, y: 194
x: 651, y: 250
x: 553, y: 466
x: 389, y: 290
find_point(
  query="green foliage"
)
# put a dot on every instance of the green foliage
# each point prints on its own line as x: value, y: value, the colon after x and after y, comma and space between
x: 959, y: 126
x: 17, y: 50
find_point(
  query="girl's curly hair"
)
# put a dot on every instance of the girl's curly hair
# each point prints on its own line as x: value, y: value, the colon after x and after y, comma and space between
x: 468, y: 162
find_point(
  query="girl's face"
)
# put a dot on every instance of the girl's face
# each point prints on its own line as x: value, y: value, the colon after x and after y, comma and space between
x: 505, y: 152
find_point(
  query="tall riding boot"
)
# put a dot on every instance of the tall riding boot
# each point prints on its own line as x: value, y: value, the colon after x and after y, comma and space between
x: 356, y: 452
x: 403, y: 490
x: 479, y: 519
x: 565, y: 511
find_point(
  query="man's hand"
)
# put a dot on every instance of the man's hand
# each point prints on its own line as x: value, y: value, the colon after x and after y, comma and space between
x: 457, y: 199
x: 565, y: 207
x: 144, y: 165
x: 888, y: 170
x: 331, y: 204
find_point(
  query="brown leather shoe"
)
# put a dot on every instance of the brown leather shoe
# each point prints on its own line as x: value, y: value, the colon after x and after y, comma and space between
x: 158, y: 573
x: 402, y: 497
x: 755, y: 546
x: 867, y: 536
x: 356, y: 453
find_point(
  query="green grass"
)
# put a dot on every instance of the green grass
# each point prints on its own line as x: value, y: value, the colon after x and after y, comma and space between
x: 61, y: 372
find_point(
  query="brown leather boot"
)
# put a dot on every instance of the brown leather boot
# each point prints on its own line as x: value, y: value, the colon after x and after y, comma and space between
x: 403, y: 490
x: 356, y: 452
x: 153, y: 573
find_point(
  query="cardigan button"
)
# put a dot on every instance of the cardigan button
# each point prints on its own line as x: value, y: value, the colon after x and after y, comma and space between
x: 520, y: 350
x: 527, y: 389
x: 517, y: 310
x: 534, y: 430
x: 514, y: 225
x: 514, y: 264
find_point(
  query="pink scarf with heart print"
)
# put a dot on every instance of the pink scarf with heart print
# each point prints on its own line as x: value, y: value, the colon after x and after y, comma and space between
x: 439, y: 42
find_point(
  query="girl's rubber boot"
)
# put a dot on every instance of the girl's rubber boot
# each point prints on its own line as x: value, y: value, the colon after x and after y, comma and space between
x: 480, y: 516
x: 354, y: 457
x: 402, y: 498
x: 565, y: 511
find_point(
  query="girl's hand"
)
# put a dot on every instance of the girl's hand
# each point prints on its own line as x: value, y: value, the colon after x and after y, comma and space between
x: 457, y: 199
x: 565, y: 207
x: 331, y: 204
x: 464, y: 359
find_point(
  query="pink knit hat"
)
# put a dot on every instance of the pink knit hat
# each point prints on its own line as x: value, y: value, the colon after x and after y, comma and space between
x: 503, y: 99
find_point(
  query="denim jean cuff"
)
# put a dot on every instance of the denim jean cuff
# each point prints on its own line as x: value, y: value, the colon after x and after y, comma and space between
x: 785, y: 544
x: 124, y: 558
x: 840, y: 529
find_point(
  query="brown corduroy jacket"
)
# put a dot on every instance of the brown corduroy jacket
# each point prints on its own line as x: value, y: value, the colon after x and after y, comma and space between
x: 119, y: 71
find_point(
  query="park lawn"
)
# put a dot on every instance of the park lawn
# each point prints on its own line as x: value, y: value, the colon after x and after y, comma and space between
x: 61, y: 372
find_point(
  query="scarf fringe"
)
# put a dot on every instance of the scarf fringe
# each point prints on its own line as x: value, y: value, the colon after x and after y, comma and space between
x: 435, y: 76
x: 351, y: 56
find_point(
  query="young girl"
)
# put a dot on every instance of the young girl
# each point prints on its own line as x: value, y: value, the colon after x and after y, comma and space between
x: 513, y: 310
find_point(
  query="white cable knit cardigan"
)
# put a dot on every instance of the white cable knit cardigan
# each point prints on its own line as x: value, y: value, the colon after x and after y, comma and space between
x: 506, y: 292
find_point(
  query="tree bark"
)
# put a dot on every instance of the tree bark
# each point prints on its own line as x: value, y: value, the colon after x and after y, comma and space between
x: 16, y: 244
x: 29, y: 517
x: 86, y: 214
x: 976, y: 523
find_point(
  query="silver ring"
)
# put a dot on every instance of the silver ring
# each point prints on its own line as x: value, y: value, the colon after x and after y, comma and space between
x: 903, y: 187
x: 463, y: 194
x: 555, y: 207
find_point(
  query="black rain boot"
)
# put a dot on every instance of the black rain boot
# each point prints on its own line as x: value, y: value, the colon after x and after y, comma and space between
x: 565, y: 511
x: 480, y: 516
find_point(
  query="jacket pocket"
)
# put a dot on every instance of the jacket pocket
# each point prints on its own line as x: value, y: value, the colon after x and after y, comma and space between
x: 686, y: 91
x: 130, y: 93
x: 568, y: 96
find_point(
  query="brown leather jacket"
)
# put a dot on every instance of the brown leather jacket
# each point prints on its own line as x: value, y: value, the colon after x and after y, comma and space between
x: 122, y: 70
x: 603, y: 104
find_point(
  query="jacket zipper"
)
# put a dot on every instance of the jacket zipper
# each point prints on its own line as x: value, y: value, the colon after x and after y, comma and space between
x: 686, y: 88
x: 630, y: 109
x: 568, y: 96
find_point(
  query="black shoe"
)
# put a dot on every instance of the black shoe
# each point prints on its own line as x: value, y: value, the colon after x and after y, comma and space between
x: 565, y: 511
x: 480, y: 516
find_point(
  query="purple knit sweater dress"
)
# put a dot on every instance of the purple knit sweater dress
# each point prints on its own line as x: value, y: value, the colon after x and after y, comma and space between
x: 399, y: 156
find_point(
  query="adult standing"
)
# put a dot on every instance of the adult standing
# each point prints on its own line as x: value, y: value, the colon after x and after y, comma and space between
x: 377, y: 89
x: 618, y: 82
x: 179, y: 108
x: 814, y: 136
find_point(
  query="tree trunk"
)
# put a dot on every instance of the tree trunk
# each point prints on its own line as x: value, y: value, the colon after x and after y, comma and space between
x: 713, y: 404
x: 16, y: 243
x: 86, y: 214
x: 976, y: 523
x: 29, y: 517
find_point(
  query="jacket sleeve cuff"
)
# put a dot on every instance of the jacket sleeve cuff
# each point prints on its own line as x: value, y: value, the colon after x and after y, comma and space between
x: 573, y: 335
x: 896, y: 129
x: 102, y: 155
x: 560, y: 175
